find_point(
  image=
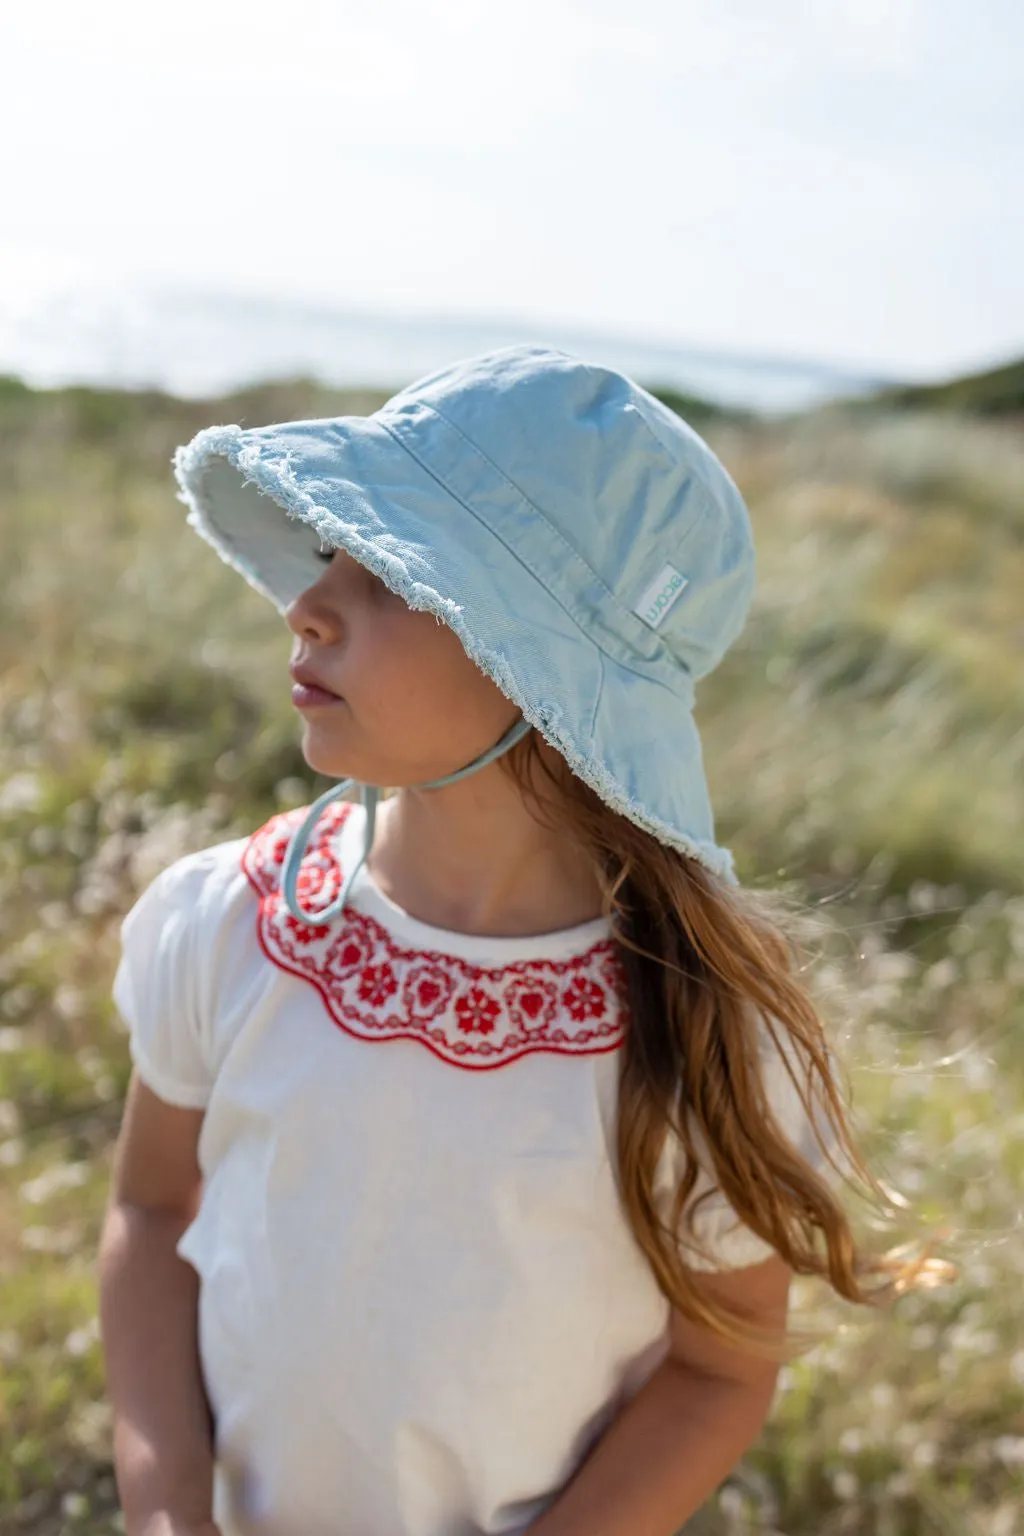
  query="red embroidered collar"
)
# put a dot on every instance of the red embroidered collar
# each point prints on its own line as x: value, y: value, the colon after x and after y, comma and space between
x: 375, y: 988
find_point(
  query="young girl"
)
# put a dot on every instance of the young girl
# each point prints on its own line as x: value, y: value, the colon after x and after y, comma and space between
x: 473, y: 1138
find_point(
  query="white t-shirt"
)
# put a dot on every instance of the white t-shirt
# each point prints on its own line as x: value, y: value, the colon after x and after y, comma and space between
x: 420, y: 1301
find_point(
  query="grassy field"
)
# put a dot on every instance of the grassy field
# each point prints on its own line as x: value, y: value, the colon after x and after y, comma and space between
x: 865, y: 743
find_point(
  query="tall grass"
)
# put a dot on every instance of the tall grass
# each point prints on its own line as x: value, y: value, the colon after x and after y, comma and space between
x: 865, y: 744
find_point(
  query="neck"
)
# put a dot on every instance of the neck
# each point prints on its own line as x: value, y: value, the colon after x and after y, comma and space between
x: 472, y: 858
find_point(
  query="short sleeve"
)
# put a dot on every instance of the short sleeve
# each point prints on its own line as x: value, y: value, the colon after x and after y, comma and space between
x: 157, y: 987
x: 731, y: 1244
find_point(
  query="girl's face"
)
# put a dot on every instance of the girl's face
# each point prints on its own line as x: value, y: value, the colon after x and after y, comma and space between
x: 412, y: 706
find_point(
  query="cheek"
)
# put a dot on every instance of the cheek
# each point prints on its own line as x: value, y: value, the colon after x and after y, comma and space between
x: 424, y: 675
x: 409, y: 668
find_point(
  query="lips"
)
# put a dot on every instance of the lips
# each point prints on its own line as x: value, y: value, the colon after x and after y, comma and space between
x: 308, y: 679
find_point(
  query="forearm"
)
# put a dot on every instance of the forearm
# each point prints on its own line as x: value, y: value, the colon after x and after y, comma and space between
x: 667, y: 1451
x: 163, y: 1433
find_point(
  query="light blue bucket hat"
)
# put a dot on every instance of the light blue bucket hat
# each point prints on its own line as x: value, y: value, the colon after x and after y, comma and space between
x: 586, y: 545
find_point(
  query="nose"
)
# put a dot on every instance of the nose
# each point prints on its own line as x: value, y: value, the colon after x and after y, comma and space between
x: 312, y: 616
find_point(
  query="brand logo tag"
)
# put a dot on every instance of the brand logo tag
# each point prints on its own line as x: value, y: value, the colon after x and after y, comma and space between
x: 656, y: 599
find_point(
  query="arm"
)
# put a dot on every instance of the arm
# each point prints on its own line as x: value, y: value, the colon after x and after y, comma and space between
x: 163, y: 1451
x: 677, y: 1439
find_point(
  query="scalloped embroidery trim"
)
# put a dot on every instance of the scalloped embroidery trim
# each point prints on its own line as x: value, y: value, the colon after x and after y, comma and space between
x: 375, y: 988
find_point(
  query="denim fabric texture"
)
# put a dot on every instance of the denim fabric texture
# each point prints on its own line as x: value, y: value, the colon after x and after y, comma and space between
x: 587, y: 546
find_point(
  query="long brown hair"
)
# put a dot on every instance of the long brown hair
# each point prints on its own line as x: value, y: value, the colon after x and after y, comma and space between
x: 703, y: 960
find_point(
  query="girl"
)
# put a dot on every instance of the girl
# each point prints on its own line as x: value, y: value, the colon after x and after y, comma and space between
x: 472, y: 1140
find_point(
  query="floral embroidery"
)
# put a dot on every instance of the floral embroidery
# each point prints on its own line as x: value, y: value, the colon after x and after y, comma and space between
x: 377, y: 989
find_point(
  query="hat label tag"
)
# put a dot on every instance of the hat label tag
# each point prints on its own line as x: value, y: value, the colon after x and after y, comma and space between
x: 657, y: 598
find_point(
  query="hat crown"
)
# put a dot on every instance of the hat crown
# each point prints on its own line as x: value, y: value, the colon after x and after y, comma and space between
x: 635, y: 493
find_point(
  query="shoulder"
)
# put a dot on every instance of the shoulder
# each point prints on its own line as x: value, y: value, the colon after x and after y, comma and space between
x: 795, y: 1101
x: 189, y: 959
x: 171, y: 943
x: 200, y: 911
x: 209, y: 882
x: 200, y: 885
x: 205, y: 904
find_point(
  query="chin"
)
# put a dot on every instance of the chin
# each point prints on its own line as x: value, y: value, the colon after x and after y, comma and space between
x: 323, y: 758
x: 333, y: 760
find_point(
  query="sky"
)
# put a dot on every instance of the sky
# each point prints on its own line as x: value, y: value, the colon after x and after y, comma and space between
x: 828, y: 179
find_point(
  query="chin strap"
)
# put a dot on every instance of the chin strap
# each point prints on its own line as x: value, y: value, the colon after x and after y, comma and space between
x: 369, y: 794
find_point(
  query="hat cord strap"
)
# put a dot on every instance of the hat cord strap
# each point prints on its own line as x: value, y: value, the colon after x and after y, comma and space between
x: 369, y: 794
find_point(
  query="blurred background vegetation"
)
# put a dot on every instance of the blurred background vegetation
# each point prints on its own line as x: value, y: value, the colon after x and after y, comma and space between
x: 865, y: 745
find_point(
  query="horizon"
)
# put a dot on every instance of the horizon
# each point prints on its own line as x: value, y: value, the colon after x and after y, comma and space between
x: 200, y: 344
